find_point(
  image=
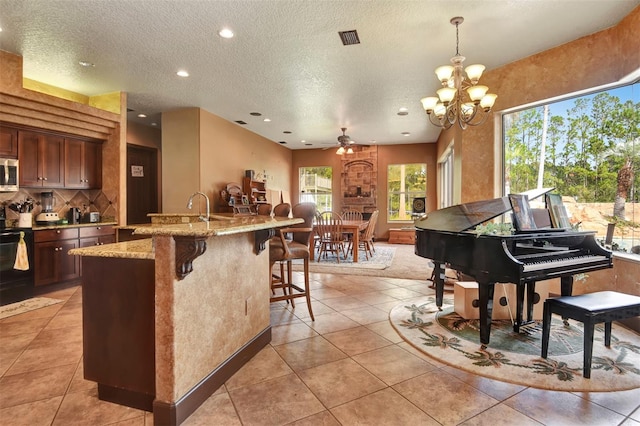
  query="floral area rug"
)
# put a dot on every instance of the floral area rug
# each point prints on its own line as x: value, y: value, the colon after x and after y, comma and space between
x: 381, y: 259
x: 515, y: 357
x: 26, y: 306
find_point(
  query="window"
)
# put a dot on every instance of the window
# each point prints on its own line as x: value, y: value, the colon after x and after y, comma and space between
x: 315, y: 186
x: 588, y: 149
x: 405, y: 182
x: 445, y: 171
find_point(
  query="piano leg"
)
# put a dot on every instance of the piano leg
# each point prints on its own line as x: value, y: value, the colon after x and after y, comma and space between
x: 519, y: 307
x: 531, y: 292
x: 485, y: 299
x: 439, y: 277
x: 566, y: 285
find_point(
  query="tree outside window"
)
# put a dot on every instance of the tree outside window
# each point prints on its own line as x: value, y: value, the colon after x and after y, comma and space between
x: 315, y: 186
x: 405, y: 182
x: 588, y: 149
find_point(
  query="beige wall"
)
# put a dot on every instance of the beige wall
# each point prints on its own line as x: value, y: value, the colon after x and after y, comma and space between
x: 203, y: 152
x: 396, y: 154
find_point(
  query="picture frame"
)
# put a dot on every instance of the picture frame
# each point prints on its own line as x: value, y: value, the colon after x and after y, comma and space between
x: 557, y: 211
x: 245, y: 200
x: 522, y: 214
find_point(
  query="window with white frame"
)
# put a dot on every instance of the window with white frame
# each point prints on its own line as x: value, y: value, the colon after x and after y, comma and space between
x: 315, y: 186
x: 445, y: 171
x: 405, y: 183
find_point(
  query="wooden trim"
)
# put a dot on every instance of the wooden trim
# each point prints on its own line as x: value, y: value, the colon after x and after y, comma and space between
x: 175, y: 413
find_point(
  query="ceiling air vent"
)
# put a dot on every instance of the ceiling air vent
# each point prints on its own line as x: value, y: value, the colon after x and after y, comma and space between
x: 241, y: 122
x: 349, y: 37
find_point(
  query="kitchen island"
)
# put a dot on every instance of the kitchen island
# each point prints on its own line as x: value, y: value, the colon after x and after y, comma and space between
x: 168, y: 319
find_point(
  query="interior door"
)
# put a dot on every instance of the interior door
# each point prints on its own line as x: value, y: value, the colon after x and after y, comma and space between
x: 142, y: 183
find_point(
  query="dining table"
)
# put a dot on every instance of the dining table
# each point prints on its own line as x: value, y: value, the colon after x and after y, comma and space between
x: 352, y: 227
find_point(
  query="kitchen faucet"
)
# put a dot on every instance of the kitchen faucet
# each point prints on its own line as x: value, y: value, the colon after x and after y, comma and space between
x: 190, y: 205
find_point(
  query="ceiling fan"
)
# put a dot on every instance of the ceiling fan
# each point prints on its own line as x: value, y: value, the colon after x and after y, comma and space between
x: 344, y: 143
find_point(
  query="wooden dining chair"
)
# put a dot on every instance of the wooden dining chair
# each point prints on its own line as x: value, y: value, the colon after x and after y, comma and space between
x: 352, y: 215
x: 329, y: 229
x: 283, y: 250
x: 365, y: 241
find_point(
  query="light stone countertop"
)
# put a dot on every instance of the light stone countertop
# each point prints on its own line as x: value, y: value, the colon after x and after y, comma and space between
x: 143, y: 249
x: 135, y: 249
x: 225, y: 226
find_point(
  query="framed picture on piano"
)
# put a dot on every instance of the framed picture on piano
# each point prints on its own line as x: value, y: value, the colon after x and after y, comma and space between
x: 522, y: 214
x: 557, y: 211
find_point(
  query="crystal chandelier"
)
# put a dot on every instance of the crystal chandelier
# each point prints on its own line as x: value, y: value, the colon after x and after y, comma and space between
x: 461, y: 99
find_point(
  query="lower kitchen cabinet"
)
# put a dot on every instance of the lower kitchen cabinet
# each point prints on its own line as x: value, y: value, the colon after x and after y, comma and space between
x: 97, y: 235
x: 53, y: 263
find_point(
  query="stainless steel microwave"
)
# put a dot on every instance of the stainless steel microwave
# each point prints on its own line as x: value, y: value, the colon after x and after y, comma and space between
x: 8, y: 175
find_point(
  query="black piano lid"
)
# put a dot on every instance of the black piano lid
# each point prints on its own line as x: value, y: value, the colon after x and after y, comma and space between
x: 465, y: 216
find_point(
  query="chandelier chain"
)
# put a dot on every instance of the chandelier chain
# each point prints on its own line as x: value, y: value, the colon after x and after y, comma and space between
x: 457, y: 40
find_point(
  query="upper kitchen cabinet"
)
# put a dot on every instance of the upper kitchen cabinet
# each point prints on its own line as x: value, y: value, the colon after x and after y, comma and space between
x: 41, y: 160
x: 8, y: 142
x: 83, y: 164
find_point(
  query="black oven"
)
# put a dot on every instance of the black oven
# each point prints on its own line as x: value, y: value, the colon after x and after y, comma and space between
x: 15, y: 284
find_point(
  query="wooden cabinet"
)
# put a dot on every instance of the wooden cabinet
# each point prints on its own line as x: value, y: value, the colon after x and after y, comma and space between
x: 41, y: 160
x: 97, y: 235
x: 8, y: 142
x: 82, y: 164
x: 52, y: 261
x: 255, y: 190
x: 118, y: 329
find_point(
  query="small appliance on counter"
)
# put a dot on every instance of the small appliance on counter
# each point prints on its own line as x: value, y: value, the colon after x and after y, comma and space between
x: 47, y: 216
x: 74, y: 215
x: 92, y: 217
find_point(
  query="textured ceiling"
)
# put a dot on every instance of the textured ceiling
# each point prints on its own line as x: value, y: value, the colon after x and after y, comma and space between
x: 286, y: 60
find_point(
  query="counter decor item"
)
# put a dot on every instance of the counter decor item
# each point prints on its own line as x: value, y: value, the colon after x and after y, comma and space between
x: 25, y: 220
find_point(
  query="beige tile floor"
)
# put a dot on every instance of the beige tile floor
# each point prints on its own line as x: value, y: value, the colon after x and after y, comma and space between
x: 349, y: 367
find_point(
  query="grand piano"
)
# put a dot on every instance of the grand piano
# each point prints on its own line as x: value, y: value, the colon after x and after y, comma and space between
x: 446, y: 237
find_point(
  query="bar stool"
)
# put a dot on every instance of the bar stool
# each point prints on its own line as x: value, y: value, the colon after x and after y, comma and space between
x: 590, y: 309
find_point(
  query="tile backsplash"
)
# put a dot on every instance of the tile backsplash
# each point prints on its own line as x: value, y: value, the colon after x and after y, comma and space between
x: 93, y: 200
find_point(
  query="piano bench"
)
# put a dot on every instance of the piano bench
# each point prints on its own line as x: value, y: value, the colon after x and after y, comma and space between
x: 590, y: 309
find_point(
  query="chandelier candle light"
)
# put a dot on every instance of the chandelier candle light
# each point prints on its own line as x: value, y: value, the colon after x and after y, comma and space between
x: 451, y: 104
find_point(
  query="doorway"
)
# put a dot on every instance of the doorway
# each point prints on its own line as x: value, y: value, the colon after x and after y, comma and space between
x: 142, y: 183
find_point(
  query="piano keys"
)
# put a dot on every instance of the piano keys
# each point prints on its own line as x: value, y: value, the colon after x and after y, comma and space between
x: 523, y: 258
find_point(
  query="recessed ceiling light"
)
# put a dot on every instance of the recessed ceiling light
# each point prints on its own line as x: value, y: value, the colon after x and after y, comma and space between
x: 267, y: 120
x: 406, y: 134
x: 373, y: 141
x: 86, y: 64
x: 142, y: 115
x: 403, y: 111
x: 183, y: 73
x: 225, y: 33
x: 303, y: 141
